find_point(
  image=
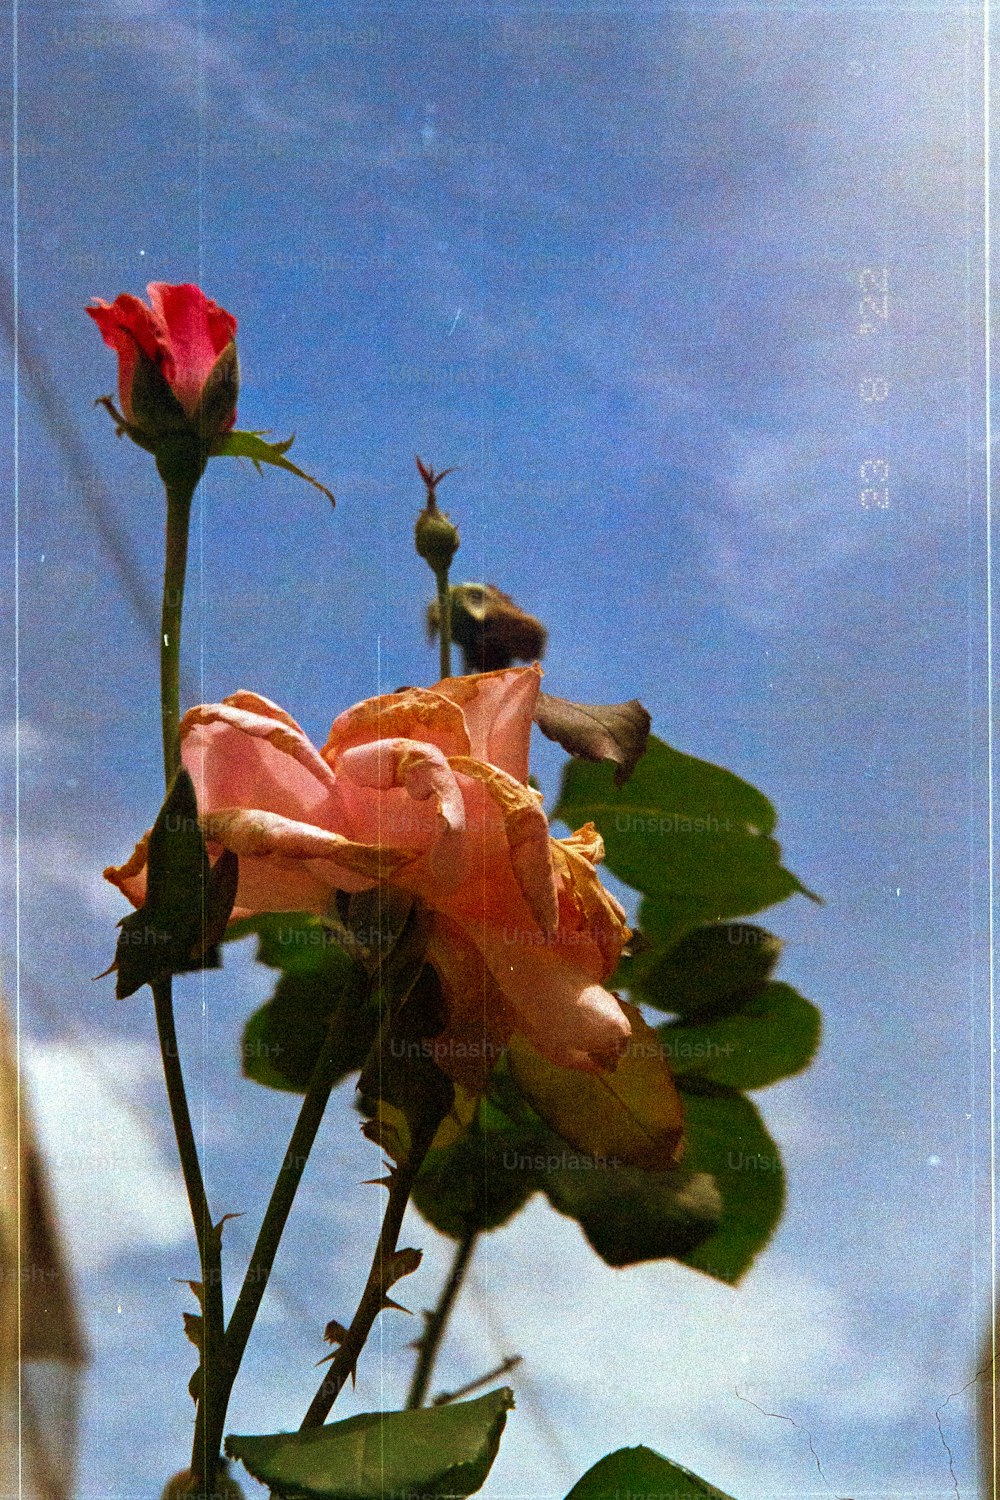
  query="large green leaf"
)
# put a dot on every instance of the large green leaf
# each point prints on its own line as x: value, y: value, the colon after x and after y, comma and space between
x: 641, y: 1474
x: 436, y: 1451
x: 726, y: 1137
x: 629, y: 1215
x: 187, y: 901
x: 771, y: 1035
x: 713, y: 967
x: 320, y: 981
x: 686, y: 833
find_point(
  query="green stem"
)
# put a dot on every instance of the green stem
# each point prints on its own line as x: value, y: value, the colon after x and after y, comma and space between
x: 437, y: 1321
x: 175, y: 566
x: 262, y: 1261
x: 344, y: 1362
x: 210, y: 1411
x: 444, y: 620
x: 209, y: 1247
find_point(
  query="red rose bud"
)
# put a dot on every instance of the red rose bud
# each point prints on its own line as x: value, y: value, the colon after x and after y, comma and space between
x: 177, y: 365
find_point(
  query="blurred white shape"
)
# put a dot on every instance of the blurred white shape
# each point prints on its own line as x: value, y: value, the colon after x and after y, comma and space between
x: 41, y: 1343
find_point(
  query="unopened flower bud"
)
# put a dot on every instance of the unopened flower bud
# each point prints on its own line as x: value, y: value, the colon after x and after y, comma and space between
x: 178, y: 373
x: 435, y: 534
x: 436, y: 538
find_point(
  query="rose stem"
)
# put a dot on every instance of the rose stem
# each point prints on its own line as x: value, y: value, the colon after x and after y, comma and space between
x: 437, y: 1321
x: 204, y: 1457
x: 343, y: 1364
x: 299, y: 1146
x: 444, y: 620
x: 503, y: 1368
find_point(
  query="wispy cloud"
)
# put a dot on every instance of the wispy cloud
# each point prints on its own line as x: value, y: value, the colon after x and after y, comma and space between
x: 114, y: 1191
x: 195, y: 63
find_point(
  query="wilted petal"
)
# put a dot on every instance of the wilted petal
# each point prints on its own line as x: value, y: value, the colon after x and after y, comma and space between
x: 130, y: 878
x: 586, y: 908
x: 286, y: 865
x: 413, y: 714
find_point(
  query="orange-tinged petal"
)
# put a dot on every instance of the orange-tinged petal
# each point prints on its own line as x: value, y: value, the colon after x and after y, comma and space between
x: 252, y: 832
x: 498, y: 708
x: 586, y: 841
x: 573, y: 1021
x: 130, y: 878
x: 527, y: 832
x: 586, y: 908
x: 413, y: 714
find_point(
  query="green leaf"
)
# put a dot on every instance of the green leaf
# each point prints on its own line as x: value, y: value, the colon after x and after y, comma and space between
x: 726, y: 1137
x: 485, y: 1177
x: 295, y: 942
x: 641, y: 1474
x: 686, y: 833
x: 713, y: 967
x: 629, y: 1215
x: 283, y: 1038
x: 436, y: 1451
x: 187, y: 902
x: 252, y: 445
x: 772, y: 1035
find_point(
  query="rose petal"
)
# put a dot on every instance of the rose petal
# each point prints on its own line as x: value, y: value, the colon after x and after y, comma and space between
x: 526, y: 830
x: 570, y: 1019
x: 128, y: 326
x: 586, y: 908
x: 246, y: 752
x: 419, y: 769
x: 498, y: 709
x: 290, y: 866
x: 413, y: 714
x: 197, y: 331
x: 130, y: 878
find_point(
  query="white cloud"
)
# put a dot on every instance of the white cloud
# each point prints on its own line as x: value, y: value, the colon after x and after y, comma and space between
x: 660, y: 1355
x: 193, y: 61
x: 58, y: 864
x: 114, y: 1189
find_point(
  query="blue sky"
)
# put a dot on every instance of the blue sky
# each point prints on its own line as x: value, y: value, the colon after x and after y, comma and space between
x: 610, y: 260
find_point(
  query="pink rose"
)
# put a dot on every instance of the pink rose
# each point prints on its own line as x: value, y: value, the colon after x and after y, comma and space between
x: 424, y: 790
x: 177, y: 343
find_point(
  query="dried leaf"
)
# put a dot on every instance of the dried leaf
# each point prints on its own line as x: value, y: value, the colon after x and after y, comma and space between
x: 597, y: 731
x: 491, y: 629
